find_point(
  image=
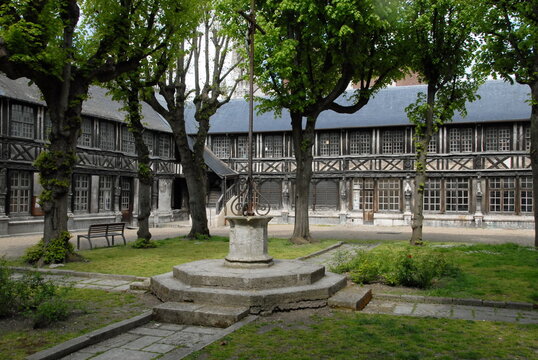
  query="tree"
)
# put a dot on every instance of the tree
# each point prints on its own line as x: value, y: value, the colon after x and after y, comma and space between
x: 63, y: 51
x: 310, y: 53
x: 207, y: 54
x: 443, y: 46
x: 511, y: 51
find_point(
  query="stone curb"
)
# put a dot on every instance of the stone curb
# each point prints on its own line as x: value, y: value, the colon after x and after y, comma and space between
x: 180, y: 353
x: 79, y: 273
x: 322, y: 251
x: 456, y: 301
x: 70, y: 346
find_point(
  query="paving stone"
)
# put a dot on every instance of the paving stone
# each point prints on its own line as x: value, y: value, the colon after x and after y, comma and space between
x: 93, y: 286
x: 435, y: 310
x: 462, y: 314
x: 166, y: 326
x: 490, y: 316
x: 116, y: 341
x: 78, y: 356
x: 186, y: 338
x: 178, y: 353
x: 527, y: 321
x: 110, y: 282
x: 404, y: 309
x: 142, y: 342
x: 153, y: 332
x: 160, y: 348
x: 121, y: 288
x: 124, y: 354
x: 202, y: 330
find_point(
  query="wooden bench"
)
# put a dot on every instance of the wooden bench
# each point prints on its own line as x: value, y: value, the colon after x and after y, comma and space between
x: 103, y: 230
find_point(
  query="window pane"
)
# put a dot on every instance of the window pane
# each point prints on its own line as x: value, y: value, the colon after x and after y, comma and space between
x: 20, y: 192
x: 82, y: 193
x: 242, y: 147
x: 502, y: 194
x: 460, y: 140
x: 457, y: 194
x: 329, y: 144
x: 526, y: 194
x: 105, y: 193
x: 127, y: 141
x: 86, y: 135
x: 22, y: 121
x: 164, y: 145
x: 148, y: 140
x: 221, y: 146
x: 389, y: 194
x: 432, y: 195
x: 125, y: 194
x: 392, y: 142
x: 360, y: 142
x: 107, y: 136
x: 497, y: 139
x: 272, y: 146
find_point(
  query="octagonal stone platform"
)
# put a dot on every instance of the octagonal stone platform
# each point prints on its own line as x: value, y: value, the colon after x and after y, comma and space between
x: 286, y: 285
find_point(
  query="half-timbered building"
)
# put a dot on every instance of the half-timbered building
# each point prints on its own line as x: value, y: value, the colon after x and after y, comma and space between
x: 104, y: 185
x: 478, y: 165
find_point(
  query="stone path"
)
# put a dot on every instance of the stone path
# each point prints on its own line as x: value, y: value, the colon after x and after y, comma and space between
x: 451, y: 311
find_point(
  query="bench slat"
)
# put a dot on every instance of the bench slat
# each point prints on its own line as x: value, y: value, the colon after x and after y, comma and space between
x: 103, y: 230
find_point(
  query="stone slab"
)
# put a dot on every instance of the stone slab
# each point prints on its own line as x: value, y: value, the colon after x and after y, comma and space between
x: 214, y: 272
x: 195, y: 314
x: 353, y: 297
x: 123, y: 354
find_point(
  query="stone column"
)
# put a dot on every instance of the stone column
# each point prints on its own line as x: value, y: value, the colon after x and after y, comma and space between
x: 248, y: 242
x: 117, y: 198
x: 408, y: 195
x: 478, y: 215
x: 136, y: 189
x: 4, y: 220
x: 285, y: 200
x: 154, y: 201
x: 343, y: 201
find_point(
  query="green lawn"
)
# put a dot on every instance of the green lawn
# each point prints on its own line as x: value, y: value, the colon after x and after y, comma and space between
x: 506, y: 272
x: 346, y: 335
x: 94, y: 309
x: 148, y: 262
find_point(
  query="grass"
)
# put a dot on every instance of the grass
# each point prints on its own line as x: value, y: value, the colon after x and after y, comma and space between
x: 345, y: 335
x: 506, y: 272
x: 96, y: 308
x: 148, y: 262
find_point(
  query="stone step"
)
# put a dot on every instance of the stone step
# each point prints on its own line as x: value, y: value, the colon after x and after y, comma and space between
x: 168, y: 288
x: 352, y: 297
x: 283, y: 273
x: 199, y: 314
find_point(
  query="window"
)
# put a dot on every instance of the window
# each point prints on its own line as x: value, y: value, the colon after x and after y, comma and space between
x: 432, y: 146
x: 125, y: 199
x: 329, y: 144
x: 164, y: 145
x: 82, y: 193
x: 360, y: 142
x: 324, y: 195
x: 363, y: 194
x: 502, y: 194
x: 105, y: 193
x: 432, y: 195
x: 86, y: 133
x: 220, y: 145
x: 392, y: 142
x: 107, y: 136
x: 497, y: 139
x: 127, y: 141
x: 22, y: 121
x: 457, y: 194
x: 389, y: 194
x: 148, y: 140
x: 528, y: 138
x: 526, y: 194
x: 19, y: 192
x: 242, y: 146
x: 460, y: 140
x: 272, y: 146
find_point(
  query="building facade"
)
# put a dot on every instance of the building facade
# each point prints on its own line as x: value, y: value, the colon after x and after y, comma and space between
x: 104, y: 184
x: 478, y: 165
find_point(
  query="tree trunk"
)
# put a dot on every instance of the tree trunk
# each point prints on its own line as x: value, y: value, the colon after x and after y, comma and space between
x: 302, y: 144
x: 423, y: 135
x: 534, y: 155
x: 145, y: 173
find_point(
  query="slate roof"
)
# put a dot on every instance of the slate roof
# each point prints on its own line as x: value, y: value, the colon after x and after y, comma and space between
x: 99, y: 104
x: 500, y: 101
x: 218, y: 166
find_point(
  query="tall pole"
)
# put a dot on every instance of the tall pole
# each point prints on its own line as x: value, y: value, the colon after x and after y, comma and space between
x: 251, y: 29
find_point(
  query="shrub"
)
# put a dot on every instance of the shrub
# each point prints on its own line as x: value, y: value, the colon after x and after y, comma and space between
x: 410, y: 266
x: 142, y: 243
x: 32, y: 296
x: 56, y: 251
